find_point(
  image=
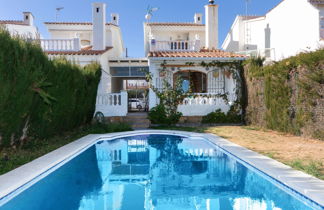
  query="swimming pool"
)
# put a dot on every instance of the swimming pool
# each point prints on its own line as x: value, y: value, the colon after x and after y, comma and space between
x: 154, y: 171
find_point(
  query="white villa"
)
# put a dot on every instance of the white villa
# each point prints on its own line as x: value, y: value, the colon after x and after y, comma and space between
x: 293, y: 26
x: 173, y: 45
x: 24, y: 27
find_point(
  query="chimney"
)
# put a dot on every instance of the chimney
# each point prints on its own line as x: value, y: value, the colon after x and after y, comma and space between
x: 99, y: 26
x: 211, y: 11
x: 28, y: 18
x: 115, y: 19
x: 198, y: 18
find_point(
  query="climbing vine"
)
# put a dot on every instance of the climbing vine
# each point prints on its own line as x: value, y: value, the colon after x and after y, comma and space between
x: 236, y: 70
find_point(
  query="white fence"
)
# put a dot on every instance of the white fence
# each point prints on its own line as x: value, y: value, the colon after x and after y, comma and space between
x: 202, y: 104
x: 60, y: 44
x: 112, y: 104
x: 267, y: 53
x: 177, y: 46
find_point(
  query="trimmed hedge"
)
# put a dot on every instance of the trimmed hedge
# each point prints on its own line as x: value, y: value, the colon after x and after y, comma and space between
x: 292, y: 95
x: 39, y: 97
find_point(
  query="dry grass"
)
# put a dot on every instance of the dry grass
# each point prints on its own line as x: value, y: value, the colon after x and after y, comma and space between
x: 298, y: 152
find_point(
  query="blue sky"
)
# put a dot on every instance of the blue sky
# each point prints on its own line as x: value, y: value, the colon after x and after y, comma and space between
x: 132, y: 14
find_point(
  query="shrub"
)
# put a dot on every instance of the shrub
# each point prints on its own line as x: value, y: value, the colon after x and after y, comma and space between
x: 40, y: 97
x: 220, y: 117
x: 158, y: 115
x: 166, y: 113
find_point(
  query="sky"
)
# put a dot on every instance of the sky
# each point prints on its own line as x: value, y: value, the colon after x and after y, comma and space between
x: 132, y: 14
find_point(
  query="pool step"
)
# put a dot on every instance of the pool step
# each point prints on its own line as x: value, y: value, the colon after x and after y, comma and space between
x: 138, y: 120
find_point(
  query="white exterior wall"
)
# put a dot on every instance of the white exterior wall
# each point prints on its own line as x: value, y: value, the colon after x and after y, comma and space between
x: 116, y: 42
x: 234, y: 39
x: 256, y: 37
x: 293, y: 30
x: 290, y: 28
x: 23, y: 31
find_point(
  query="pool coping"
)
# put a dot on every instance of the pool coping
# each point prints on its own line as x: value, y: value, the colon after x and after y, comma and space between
x: 304, y: 184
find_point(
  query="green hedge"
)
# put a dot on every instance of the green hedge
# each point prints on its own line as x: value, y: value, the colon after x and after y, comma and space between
x: 40, y: 96
x: 293, y: 95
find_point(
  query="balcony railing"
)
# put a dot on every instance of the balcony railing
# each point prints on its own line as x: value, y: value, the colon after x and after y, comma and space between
x: 202, y: 104
x: 60, y: 44
x: 177, y: 46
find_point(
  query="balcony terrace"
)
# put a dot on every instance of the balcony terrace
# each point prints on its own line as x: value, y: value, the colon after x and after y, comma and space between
x: 61, y: 44
x: 175, y: 46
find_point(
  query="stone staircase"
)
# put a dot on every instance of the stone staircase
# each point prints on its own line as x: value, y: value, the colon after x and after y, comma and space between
x: 138, y: 120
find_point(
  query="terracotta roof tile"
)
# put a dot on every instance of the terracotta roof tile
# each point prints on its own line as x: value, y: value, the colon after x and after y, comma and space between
x: 316, y: 1
x: 84, y: 51
x: 251, y: 17
x: 174, y: 24
x: 203, y: 53
x: 13, y: 22
x: 73, y: 23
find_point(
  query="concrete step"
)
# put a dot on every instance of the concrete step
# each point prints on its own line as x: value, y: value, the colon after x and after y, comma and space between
x: 138, y: 120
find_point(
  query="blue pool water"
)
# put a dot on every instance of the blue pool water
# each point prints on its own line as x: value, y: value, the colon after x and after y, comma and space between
x: 156, y: 172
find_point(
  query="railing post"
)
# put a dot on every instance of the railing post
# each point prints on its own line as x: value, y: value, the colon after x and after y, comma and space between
x: 76, y: 44
x: 124, y: 101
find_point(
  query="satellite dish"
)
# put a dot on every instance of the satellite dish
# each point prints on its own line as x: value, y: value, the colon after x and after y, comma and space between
x: 59, y: 8
x: 148, y: 17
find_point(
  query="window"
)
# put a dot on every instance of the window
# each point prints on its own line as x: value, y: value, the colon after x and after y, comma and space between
x: 26, y: 17
x: 114, y: 18
x: 98, y: 9
x: 198, y: 18
x: 128, y: 71
x: 193, y: 81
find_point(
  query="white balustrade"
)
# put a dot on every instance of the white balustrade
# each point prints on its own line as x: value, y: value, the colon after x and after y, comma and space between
x: 203, y: 99
x: 202, y: 104
x: 112, y: 104
x: 60, y: 44
x: 176, y: 46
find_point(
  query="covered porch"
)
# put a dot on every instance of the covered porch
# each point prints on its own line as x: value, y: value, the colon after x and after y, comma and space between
x: 209, y: 88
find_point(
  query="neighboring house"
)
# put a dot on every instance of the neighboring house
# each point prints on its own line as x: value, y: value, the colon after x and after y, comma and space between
x: 24, y: 28
x: 293, y: 26
x: 86, y: 42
